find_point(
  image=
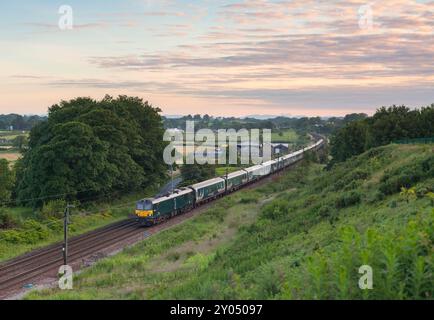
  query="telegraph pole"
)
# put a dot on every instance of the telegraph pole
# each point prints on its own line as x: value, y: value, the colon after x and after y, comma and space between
x: 171, y: 176
x: 65, y: 233
x: 227, y: 168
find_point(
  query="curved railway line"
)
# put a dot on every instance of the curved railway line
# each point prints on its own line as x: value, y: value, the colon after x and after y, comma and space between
x: 44, y: 263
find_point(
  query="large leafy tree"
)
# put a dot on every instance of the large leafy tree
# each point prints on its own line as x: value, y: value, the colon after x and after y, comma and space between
x: 89, y: 148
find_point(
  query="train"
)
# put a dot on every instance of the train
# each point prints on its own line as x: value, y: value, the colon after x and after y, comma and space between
x: 153, y: 211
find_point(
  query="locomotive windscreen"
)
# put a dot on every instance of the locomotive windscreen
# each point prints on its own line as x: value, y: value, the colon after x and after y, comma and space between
x: 144, y: 205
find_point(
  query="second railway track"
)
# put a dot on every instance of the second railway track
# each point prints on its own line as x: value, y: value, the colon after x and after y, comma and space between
x: 17, y: 272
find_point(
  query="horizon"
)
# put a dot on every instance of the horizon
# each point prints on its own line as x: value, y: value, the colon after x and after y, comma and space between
x: 232, y: 58
x: 178, y: 116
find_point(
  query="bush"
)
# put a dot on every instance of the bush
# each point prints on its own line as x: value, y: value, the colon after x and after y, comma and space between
x: 325, y: 211
x: 31, y: 232
x: 7, y: 220
x: 276, y: 209
x: 348, y: 199
x: 249, y: 198
x: 407, y: 176
x: 394, y: 184
x: 53, y: 209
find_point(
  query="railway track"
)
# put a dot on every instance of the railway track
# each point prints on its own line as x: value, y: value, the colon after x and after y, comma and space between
x: 46, y: 262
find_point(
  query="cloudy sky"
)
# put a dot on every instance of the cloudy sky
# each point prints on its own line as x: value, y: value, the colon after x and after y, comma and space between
x: 229, y: 57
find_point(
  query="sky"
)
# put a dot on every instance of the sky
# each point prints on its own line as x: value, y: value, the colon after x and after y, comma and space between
x: 223, y: 58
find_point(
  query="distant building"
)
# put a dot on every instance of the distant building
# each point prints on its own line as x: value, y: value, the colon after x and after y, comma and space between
x: 279, y: 148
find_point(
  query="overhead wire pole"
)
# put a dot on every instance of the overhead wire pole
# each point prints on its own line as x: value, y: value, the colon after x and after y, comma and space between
x: 227, y: 168
x: 171, y: 177
x: 65, y: 233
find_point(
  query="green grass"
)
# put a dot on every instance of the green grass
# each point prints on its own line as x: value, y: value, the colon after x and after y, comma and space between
x: 303, y: 236
x: 221, y: 171
x: 11, y: 133
x: 287, y: 135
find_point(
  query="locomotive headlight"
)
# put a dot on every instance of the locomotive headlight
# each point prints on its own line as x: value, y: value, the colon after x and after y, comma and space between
x: 144, y: 213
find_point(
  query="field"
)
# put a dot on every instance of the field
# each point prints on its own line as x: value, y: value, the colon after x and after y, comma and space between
x: 288, y: 136
x: 303, y: 236
x: 11, y: 156
x: 221, y: 171
x: 7, y: 150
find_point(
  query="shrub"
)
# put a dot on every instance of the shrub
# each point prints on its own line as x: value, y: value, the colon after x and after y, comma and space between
x: 394, y: 184
x: 276, y: 209
x: 249, y: 198
x: 7, y: 220
x: 325, y: 211
x: 30, y: 233
x: 348, y: 199
x: 53, y: 209
x: 405, y: 177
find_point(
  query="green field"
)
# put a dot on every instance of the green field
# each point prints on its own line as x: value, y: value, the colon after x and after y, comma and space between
x: 287, y: 135
x: 221, y: 171
x: 10, y: 135
x: 303, y: 236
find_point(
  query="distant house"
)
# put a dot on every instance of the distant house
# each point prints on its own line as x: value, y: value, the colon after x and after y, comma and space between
x: 175, y: 130
x: 279, y: 148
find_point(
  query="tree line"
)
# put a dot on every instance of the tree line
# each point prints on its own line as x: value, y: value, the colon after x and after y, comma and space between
x: 302, y: 125
x: 19, y: 122
x: 387, y: 125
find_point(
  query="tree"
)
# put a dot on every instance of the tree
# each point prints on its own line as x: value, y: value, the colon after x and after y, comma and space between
x: 385, y: 126
x: 90, y: 148
x: 7, y: 179
x: 349, y: 141
x: 193, y: 173
x: 20, y: 142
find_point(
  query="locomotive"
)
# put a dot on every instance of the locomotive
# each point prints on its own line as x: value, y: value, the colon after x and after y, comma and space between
x: 156, y: 210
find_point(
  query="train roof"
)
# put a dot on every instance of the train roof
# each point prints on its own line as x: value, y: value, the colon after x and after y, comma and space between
x: 269, y: 163
x: 207, y: 183
x: 176, y: 193
x: 254, y: 168
x: 236, y: 174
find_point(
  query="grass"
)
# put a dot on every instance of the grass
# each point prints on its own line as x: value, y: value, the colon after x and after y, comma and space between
x: 4, y: 133
x: 303, y: 236
x: 221, y: 171
x: 287, y: 135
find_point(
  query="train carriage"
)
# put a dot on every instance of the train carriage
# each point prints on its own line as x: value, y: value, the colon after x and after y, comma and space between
x: 236, y: 179
x: 257, y: 172
x: 267, y: 168
x: 210, y: 189
x: 277, y: 164
x: 253, y: 173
